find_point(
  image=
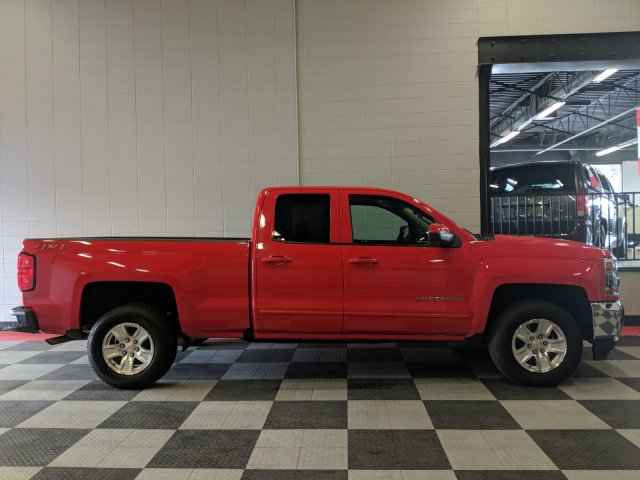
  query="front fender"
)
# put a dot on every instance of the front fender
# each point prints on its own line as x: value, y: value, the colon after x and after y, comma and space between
x: 495, y: 272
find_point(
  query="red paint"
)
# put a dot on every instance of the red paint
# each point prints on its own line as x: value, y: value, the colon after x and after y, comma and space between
x: 23, y: 337
x: 630, y: 331
x: 337, y: 290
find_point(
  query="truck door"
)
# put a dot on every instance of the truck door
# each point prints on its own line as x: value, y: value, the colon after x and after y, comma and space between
x: 396, y: 282
x: 298, y: 263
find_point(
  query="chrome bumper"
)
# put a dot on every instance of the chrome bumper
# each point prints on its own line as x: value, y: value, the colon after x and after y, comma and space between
x: 608, y: 318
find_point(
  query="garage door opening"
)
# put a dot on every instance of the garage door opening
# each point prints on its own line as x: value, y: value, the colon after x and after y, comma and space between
x: 558, y: 138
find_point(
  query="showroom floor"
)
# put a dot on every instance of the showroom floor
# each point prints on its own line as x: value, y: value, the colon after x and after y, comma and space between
x: 232, y: 410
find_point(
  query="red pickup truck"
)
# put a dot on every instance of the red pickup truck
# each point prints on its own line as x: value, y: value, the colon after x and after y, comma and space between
x: 325, y: 263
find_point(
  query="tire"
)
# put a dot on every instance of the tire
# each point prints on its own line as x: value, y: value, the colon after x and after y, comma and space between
x: 125, y: 329
x: 621, y: 251
x: 522, y: 321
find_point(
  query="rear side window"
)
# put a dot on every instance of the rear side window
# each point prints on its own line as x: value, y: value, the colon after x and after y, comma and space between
x: 302, y: 218
x: 604, y: 181
x: 521, y: 180
x: 594, y: 182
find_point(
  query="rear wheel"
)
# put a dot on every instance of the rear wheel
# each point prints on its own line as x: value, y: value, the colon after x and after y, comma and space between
x: 132, y: 346
x: 536, y: 343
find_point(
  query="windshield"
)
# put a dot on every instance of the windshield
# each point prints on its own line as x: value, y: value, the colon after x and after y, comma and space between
x: 523, y: 179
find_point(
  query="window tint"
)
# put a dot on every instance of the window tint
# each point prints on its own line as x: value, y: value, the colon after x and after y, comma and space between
x: 606, y: 185
x: 583, y: 178
x: 302, y: 218
x: 519, y: 180
x: 386, y: 220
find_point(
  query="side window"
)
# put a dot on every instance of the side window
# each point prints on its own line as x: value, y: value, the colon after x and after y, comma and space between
x: 302, y: 218
x: 606, y: 185
x: 382, y: 220
x: 373, y: 223
x: 584, y: 182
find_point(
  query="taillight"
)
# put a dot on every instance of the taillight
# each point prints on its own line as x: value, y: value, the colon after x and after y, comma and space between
x: 26, y: 271
x: 583, y: 207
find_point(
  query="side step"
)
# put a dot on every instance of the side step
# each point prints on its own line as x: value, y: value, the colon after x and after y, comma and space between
x: 70, y: 335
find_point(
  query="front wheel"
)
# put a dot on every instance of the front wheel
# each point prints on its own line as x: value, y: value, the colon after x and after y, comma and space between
x: 536, y: 343
x: 132, y: 346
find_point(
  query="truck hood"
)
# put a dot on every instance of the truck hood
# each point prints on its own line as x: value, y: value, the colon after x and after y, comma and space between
x: 525, y: 246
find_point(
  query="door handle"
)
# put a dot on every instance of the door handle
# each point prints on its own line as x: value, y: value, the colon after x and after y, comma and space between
x: 276, y: 260
x: 363, y: 261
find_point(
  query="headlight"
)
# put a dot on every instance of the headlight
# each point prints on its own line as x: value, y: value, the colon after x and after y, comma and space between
x: 611, y: 278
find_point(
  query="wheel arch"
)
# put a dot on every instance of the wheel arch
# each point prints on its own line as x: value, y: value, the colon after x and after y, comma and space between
x: 99, y: 298
x: 571, y: 298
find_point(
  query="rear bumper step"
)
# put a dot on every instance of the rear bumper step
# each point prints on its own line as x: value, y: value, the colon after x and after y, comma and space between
x: 26, y: 321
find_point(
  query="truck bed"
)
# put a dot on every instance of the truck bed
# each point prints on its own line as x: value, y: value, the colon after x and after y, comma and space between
x: 209, y: 277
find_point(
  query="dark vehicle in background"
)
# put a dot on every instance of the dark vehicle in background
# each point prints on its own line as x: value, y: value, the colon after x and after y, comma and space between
x: 559, y: 199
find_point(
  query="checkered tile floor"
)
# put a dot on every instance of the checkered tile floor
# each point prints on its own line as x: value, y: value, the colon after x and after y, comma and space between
x: 232, y: 410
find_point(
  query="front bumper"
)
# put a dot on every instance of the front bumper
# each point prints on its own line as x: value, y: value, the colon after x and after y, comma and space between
x: 26, y: 320
x: 608, y: 319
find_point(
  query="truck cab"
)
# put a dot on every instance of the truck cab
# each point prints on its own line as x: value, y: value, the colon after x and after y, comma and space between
x: 358, y: 262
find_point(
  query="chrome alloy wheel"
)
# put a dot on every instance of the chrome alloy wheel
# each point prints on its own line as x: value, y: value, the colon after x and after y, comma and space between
x: 539, y: 345
x: 127, y: 348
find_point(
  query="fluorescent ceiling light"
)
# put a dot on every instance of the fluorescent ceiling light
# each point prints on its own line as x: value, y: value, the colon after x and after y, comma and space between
x: 509, y: 136
x: 615, y: 148
x: 607, y: 151
x: 603, y: 75
x: 505, y: 139
x: 549, y: 110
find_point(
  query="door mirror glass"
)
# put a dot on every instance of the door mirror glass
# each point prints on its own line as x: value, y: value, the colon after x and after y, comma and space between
x: 440, y: 234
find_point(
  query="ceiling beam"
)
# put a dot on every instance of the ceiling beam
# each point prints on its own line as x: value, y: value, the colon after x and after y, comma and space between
x: 522, y: 98
x: 523, y: 118
x: 590, y: 129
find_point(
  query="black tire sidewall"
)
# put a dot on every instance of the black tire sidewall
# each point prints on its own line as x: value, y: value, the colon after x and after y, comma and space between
x: 622, y: 242
x: 516, y: 315
x: 164, y: 340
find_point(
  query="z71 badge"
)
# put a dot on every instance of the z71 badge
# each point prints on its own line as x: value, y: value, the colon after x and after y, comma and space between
x: 50, y: 246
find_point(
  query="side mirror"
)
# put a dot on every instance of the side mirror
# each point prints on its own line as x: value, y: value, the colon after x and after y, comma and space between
x: 441, y: 234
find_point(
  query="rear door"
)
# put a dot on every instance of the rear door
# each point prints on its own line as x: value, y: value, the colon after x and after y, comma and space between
x: 298, y: 263
x: 394, y: 281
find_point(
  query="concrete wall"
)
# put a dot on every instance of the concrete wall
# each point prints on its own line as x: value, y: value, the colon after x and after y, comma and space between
x: 153, y: 117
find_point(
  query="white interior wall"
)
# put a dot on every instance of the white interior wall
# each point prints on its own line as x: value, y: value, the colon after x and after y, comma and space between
x: 631, y: 176
x: 153, y: 117
x: 142, y: 117
x: 389, y: 92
